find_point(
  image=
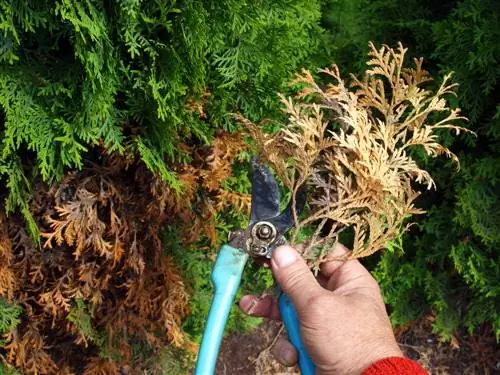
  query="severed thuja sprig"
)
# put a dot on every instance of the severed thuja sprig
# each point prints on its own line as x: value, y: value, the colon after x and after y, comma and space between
x: 351, y: 144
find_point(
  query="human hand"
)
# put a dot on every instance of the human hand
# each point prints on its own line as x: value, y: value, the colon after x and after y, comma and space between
x: 343, y: 322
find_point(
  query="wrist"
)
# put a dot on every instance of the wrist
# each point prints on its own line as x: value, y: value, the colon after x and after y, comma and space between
x: 378, y: 354
x: 371, y: 354
x: 361, y: 359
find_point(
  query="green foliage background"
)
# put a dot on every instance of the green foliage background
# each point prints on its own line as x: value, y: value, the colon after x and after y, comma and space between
x: 76, y: 74
x: 9, y: 319
x: 451, y: 262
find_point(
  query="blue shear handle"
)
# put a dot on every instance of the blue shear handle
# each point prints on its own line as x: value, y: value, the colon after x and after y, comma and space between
x: 226, y: 277
x: 291, y: 321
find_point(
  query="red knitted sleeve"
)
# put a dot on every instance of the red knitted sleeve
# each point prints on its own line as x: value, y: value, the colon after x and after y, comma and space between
x: 395, y: 366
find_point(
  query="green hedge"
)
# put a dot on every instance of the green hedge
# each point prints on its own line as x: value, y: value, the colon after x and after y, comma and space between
x: 129, y: 75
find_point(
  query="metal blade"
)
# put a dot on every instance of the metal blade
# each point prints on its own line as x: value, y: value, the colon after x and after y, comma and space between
x: 285, y: 221
x: 265, y: 193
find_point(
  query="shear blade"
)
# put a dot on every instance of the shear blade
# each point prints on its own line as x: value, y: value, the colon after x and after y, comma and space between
x: 285, y: 220
x: 265, y: 193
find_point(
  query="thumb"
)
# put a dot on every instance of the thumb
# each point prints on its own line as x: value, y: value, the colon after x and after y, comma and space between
x: 294, y: 276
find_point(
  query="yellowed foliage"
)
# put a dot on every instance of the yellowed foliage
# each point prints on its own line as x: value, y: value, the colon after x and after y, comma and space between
x: 204, y: 185
x: 101, y: 366
x: 7, y: 277
x: 102, y: 227
x: 218, y: 163
x: 28, y: 352
x: 352, y: 145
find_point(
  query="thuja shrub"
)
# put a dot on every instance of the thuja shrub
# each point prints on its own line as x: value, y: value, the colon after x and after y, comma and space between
x: 136, y: 76
x: 114, y: 121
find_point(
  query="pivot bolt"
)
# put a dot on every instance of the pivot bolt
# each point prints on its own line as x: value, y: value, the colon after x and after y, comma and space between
x: 259, y: 250
x: 264, y: 232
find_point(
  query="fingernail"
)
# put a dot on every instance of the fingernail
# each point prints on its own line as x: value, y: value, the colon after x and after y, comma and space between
x: 287, y: 356
x: 284, y: 256
x: 247, y: 304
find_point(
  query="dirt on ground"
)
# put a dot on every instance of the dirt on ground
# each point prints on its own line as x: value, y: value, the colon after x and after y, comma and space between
x: 245, y: 354
x: 479, y: 354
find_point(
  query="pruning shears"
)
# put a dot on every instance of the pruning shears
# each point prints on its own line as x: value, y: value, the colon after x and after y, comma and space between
x: 264, y: 233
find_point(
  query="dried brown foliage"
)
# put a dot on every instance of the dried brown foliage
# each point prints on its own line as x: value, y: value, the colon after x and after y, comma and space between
x: 102, y: 247
x: 352, y: 145
x: 7, y: 277
x: 103, y: 285
x: 206, y: 175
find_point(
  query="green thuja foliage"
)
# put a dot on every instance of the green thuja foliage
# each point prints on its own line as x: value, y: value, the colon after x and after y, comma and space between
x: 465, y: 45
x: 9, y: 317
x: 7, y: 370
x: 174, y: 361
x: 450, y: 263
x: 81, y: 317
x: 351, y: 24
x: 125, y: 75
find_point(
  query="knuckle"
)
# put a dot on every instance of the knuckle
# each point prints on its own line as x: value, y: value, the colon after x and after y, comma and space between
x: 377, y: 291
x: 294, y: 278
x: 317, y: 302
x: 373, y: 283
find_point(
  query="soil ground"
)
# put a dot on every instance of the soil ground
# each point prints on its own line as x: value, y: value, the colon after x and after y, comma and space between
x: 248, y: 354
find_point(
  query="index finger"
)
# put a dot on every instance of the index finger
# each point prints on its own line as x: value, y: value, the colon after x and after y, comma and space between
x: 335, y: 259
x: 338, y: 270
